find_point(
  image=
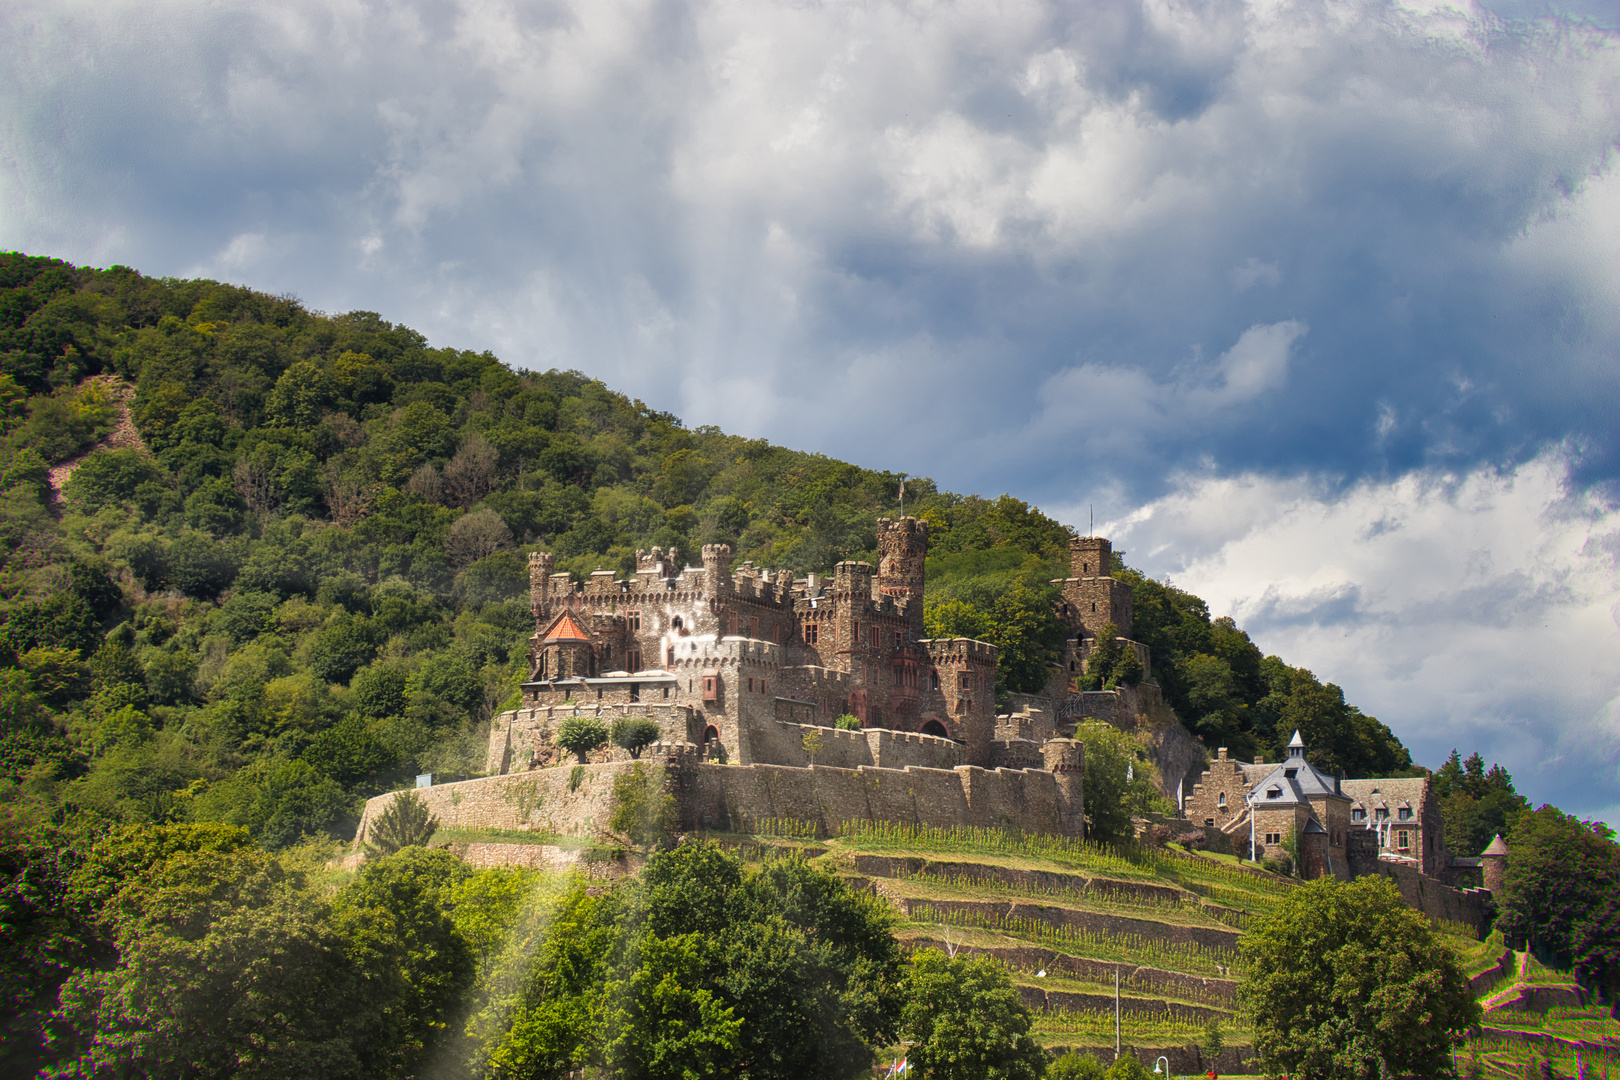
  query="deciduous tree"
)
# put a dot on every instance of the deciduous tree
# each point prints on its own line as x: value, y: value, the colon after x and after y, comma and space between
x: 1346, y: 982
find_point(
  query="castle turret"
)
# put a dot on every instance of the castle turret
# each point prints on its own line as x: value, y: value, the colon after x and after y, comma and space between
x: 716, y: 572
x: 904, y: 547
x: 1066, y: 760
x: 1493, y: 866
x: 541, y: 566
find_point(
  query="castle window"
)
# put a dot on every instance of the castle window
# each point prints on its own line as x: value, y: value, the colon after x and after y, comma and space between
x: 933, y: 680
x: 812, y: 633
x: 753, y: 626
x: 711, y: 688
x: 1273, y: 792
x: 1085, y: 568
x: 607, y: 653
x: 632, y: 659
x: 1383, y: 813
x: 857, y: 639
x: 876, y: 637
x: 731, y: 623
x: 762, y: 686
x: 1094, y: 606
x: 1403, y: 839
x: 776, y: 633
x: 1222, y: 800
x: 1405, y: 813
x: 964, y: 681
x: 634, y: 619
x: 750, y: 684
x: 1273, y: 838
x: 675, y: 623
x: 1290, y: 773
x: 899, y: 639
x: 1358, y: 814
x: 1209, y: 823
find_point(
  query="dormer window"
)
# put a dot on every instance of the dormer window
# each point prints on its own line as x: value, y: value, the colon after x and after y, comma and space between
x: 1405, y: 813
x: 1290, y: 773
x: 1273, y: 792
x: 1358, y: 814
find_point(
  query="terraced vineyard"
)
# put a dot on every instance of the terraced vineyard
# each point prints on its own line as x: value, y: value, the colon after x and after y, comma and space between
x: 1068, y: 918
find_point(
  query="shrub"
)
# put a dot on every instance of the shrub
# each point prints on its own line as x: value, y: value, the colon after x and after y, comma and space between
x: 405, y: 822
x: 1076, y: 1066
x: 846, y: 722
x: 635, y: 734
x: 580, y: 735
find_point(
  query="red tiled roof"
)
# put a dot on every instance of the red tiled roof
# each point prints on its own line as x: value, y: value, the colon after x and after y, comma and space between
x: 566, y: 629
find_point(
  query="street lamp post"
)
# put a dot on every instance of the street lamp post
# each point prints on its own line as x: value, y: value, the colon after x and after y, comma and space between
x: 1161, y: 1072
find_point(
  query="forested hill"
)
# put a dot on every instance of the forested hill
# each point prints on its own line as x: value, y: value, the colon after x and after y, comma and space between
x: 301, y: 577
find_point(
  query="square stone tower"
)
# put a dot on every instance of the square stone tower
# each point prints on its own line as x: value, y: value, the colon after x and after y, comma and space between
x: 1092, y: 598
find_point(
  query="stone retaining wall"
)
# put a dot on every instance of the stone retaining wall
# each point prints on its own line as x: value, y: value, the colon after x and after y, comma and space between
x: 993, y: 912
x: 897, y: 866
x: 725, y: 797
x: 1137, y: 980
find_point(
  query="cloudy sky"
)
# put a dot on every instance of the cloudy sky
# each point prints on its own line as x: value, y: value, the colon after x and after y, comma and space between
x: 1313, y: 300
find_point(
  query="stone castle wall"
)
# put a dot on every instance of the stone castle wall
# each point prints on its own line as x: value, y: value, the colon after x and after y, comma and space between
x: 538, y: 801
x: 724, y: 797
x: 727, y: 797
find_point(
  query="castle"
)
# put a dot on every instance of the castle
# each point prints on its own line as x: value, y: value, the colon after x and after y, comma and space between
x: 745, y: 671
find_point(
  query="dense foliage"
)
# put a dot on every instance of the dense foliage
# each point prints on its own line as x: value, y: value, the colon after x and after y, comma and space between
x: 1345, y: 982
x: 1477, y: 804
x: 300, y: 579
x: 1562, y: 892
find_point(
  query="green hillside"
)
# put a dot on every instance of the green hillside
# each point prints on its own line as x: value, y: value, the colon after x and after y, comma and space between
x: 260, y: 563
x: 286, y: 566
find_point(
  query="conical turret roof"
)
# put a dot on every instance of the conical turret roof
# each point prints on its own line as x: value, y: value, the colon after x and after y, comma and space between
x: 1497, y: 847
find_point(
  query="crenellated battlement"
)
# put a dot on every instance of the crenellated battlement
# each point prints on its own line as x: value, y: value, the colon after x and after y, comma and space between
x: 708, y: 650
x: 959, y: 650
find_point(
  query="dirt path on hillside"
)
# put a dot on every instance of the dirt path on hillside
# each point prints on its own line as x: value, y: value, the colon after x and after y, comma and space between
x: 122, y: 437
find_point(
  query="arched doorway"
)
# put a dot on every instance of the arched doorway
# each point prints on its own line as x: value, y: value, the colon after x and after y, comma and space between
x: 711, y: 734
x: 934, y: 727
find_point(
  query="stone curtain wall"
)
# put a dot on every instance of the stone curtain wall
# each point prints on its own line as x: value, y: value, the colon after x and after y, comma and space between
x: 1437, y: 900
x: 725, y: 797
x: 522, y: 739
x: 537, y: 801
x: 783, y: 744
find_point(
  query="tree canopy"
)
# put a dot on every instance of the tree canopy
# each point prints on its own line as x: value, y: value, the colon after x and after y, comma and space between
x: 1346, y: 982
x: 1561, y: 891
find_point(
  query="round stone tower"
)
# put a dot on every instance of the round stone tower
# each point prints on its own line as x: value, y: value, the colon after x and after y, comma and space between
x: 541, y: 565
x: 1493, y: 866
x: 716, y: 572
x: 904, y: 548
x: 1066, y: 761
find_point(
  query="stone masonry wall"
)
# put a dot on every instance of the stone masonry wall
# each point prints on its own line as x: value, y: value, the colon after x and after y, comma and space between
x: 728, y: 797
x: 782, y: 743
x: 712, y: 796
x: 537, y: 800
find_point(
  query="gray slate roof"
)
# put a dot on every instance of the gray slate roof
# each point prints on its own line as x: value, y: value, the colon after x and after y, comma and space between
x: 1295, y: 780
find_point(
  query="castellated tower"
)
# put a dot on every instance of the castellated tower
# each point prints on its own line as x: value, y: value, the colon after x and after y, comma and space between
x: 1066, y: 760
x: 541, y: 565
x: 1094, y: 598
x: 716, y: 572
x: 904, y: 547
